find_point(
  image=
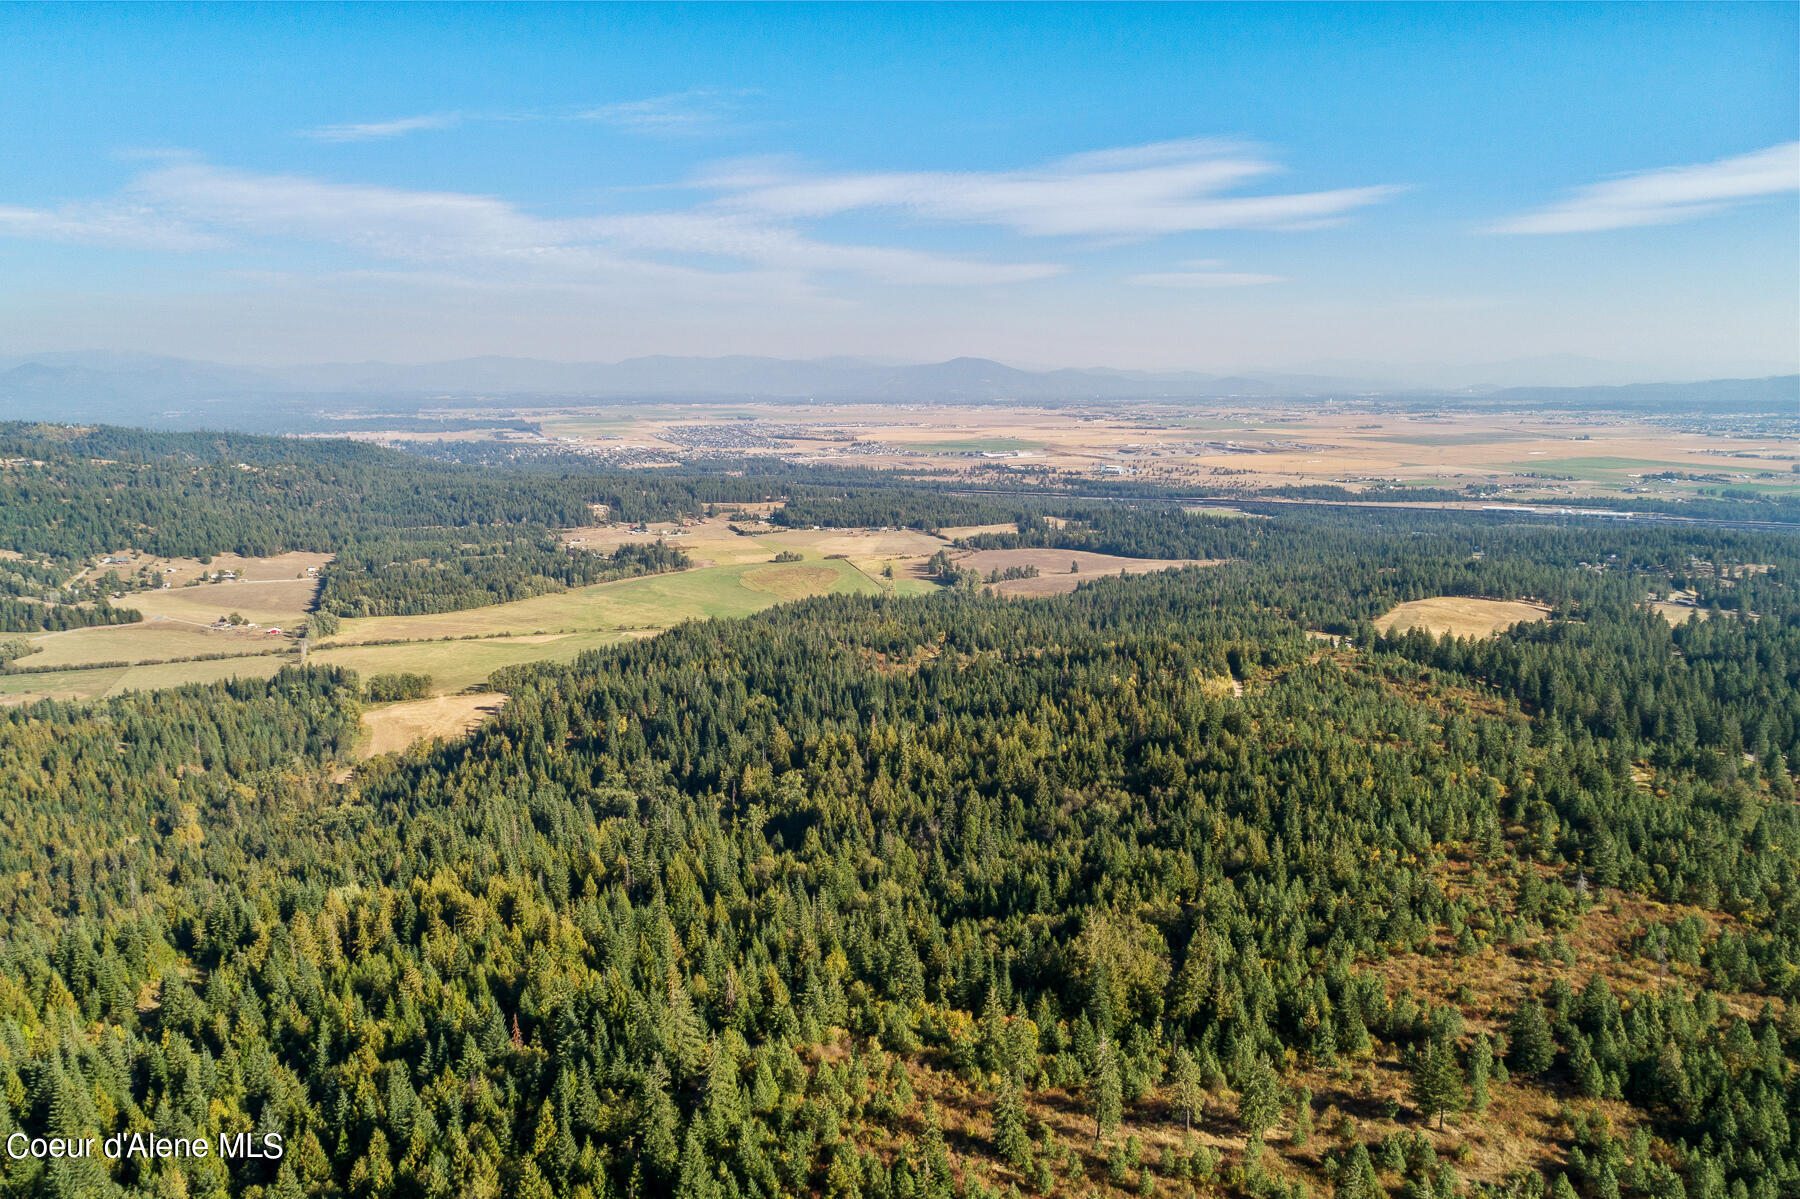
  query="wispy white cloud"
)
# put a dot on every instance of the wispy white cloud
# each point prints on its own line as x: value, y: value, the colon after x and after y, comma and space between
x: 753, y: 237
x: 691, y: 113
x: 379, y: 130
x: 499, y: 239
x: 679, y: 114
x: 1666, y: 196
x: 120, y: 225
x: 1132, y: 192
x: 1203, y: 273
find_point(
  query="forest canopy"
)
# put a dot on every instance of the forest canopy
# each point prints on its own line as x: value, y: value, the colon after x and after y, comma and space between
x: 1188, y: 882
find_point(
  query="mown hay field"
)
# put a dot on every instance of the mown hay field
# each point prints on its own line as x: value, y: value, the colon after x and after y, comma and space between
x: 1461, y: 616
x: 393, y: 727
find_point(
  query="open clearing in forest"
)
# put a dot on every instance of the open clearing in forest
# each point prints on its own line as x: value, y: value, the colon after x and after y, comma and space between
x: 1460, y: 616
x: 1678, y: 614
x: 393, y: 727
x: 1054, y: 575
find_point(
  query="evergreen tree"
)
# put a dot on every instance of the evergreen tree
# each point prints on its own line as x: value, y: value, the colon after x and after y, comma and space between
x: 1530, y: 1049
x: 658, y: 1121
x: 1010, y: 1139
x: 1259, y: 1102
x: 1481, y: 1062
x: 1436, y: 1080
x: 1190, y: 1088
x: 1109, y: 1103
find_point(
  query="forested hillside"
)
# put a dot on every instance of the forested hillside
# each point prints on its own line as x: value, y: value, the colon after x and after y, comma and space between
x: 1153, y: 888
x: 411, y: 535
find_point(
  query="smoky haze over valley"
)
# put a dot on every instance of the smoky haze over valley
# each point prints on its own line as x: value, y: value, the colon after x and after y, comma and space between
x: 128, y: 387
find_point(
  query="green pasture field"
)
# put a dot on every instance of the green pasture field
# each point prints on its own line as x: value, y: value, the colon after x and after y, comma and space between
x: 458, y: 665
x: 650, y: 602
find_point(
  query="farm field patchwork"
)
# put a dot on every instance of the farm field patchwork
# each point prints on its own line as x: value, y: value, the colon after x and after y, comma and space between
x: 459, y: 650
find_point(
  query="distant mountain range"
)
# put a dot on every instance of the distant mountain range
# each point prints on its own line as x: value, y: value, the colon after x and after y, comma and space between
x: 137, y: 388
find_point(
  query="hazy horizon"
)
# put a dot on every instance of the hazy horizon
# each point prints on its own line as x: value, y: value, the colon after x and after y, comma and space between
x: 672, y: 374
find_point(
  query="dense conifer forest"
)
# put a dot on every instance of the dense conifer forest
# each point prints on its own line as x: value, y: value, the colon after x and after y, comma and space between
x: 1190, y: 883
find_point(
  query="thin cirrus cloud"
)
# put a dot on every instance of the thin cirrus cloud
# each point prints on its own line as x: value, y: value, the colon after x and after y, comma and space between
x: 125, y: 226
x: 186, y: 204
x: 1666, y: 196
x: 380, y: 130
x: 693, y: 113
x: 1203, y: 274
x: 679, y: 114
x: 1134, y: 192
x: 752, y: 228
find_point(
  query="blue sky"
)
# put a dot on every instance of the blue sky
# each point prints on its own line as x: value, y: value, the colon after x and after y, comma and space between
x: 1295, y: 187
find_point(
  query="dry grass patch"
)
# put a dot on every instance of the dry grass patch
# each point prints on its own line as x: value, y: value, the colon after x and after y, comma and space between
x: 394, y: 727
x: 860, y: 543
x: 154, y: 640
x: 1677, y: 614
x: 961, y: 531
x: 1461, y: 616
x: 1054, y: 576
x: 708, y: 542
x: 790, y: 580
x: 266, y: 602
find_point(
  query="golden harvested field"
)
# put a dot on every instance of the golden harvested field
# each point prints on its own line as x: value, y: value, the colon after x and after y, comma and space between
x: 1054, y: 575
x: 393, y: 727
x: 1247, y: 442
x: 1461, y: 616
x: 860, y: 543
